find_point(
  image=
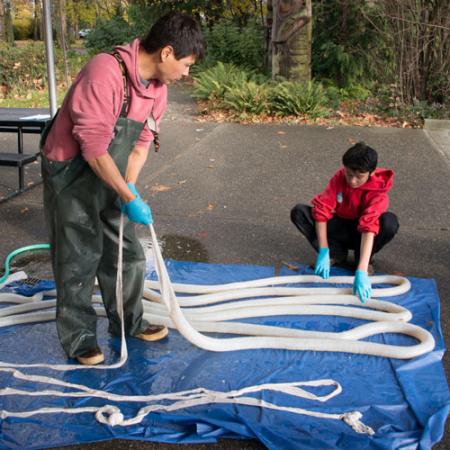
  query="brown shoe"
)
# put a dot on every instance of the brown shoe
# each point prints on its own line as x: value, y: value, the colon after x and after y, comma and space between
x: 91, y: 357
x: 153, y: 333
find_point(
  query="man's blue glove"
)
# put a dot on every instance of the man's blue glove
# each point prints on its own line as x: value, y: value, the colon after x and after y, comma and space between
x: 133, y: 189
x: 323, y: 263
x: 362, y: 286
x: 137, y: 210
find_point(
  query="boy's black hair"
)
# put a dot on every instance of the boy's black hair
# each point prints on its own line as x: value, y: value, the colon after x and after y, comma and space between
x: 180, y: 31
x: 361, y: 158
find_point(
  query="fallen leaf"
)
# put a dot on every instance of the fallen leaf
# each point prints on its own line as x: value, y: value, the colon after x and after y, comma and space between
x: 23, y: 210
x: 182, y: 182
x: 210, y: 207
x: 281, y: 132
x: 160, y: 188
x: 290, y: 266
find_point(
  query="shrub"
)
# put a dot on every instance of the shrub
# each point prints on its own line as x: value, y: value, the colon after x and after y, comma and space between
x: 107, y: 34
x: 355, y: 92
x: 292, y: 98
x: 23, y: 28
x: 24, y: 68
x: 229, y: 43
x: 248, y: 97
x: 345, y: 44
x: 213, y: 83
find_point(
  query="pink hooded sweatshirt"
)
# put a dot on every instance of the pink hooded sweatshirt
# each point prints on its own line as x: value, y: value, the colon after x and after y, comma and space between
x: 85, y: 122
x: 365, y: 203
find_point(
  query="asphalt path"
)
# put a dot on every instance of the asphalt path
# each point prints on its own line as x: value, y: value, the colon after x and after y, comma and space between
x: 222, y: 193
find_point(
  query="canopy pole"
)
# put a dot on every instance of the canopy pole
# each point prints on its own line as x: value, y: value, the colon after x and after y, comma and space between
x: 50, y: 56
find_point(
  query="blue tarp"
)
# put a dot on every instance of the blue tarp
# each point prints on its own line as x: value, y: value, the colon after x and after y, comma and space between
x: 405, y: 402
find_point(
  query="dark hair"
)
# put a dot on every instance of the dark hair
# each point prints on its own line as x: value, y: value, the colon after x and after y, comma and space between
x: 361, y: 158
x: 180, y: 31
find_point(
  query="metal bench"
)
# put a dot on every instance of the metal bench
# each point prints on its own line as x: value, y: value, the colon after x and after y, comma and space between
x: 20, y: 159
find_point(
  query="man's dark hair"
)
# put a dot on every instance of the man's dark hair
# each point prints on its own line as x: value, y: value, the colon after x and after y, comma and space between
x: 180, y: 31
x: 361, y: 158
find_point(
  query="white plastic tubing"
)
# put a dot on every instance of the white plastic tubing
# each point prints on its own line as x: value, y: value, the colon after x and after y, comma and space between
x: 210, y: 308
x: 386, y: 317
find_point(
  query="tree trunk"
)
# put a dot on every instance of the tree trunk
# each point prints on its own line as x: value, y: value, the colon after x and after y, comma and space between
x: 2, y: 21
x: 6, y: 26
x: 73, y: 25
x: 291, y: 39
x: 38, y: 31
x: 269, y: 44
x: 61, y: 34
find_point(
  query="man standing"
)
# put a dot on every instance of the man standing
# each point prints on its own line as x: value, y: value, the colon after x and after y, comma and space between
x: 92, y: 154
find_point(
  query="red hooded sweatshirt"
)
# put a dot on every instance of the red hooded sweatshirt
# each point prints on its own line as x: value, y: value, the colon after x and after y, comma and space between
x: 365, y: 203
x: 85, y: 122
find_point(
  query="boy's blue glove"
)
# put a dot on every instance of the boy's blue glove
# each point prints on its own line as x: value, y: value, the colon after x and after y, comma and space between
x: 362, y: 286
x: 137, y: 210
x: 323, y: 263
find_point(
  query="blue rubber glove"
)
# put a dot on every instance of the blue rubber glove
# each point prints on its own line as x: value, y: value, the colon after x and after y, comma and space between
x: 323, y: 263
x: 133, y: 189
x: 362, y: 286
x: 137, y: 210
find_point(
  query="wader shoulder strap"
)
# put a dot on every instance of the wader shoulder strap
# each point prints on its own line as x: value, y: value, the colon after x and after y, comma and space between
x: 126, y: 92
x: 151, y: 122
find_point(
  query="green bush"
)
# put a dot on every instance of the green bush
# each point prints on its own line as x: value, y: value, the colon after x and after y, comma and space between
x: 345, y: 45
x: 355, y: 92
x: 107, y: 34
x: 23, y: 28
x: 335, y: 95
x: 213, y: 83
x: 23, y: 68
x: 228, y: 87
x: 142, y: 17
x: 298, y: 99
x: 229, y: 43
x: 248, y: 97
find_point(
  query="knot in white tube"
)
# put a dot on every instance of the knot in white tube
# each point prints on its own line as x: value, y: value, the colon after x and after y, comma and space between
x: 352, y: 419
x: 109, y: 415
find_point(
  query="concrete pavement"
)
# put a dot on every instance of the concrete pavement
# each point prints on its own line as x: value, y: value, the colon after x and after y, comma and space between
x: 222, y: 193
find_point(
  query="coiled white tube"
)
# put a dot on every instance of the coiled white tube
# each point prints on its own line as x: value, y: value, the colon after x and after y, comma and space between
x: 314, y: 302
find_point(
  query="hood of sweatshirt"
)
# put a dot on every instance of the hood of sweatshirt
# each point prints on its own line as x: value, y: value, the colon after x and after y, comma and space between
x: 129, y: 54
x: 380, y: 181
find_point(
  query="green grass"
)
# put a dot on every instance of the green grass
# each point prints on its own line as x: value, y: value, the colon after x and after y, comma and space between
x: 34, y: 99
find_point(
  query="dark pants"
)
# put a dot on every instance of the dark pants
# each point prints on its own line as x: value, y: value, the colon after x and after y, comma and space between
x: 83, y: 217
x: 343, y: 234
